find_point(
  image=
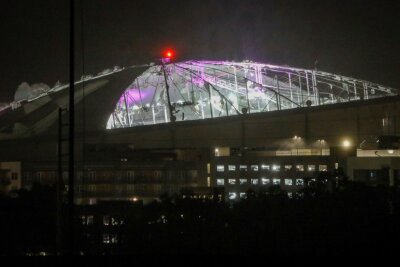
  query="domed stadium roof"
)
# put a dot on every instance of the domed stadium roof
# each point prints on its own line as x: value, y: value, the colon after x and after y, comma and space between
x: 194, y: 90
x: 191, y: 90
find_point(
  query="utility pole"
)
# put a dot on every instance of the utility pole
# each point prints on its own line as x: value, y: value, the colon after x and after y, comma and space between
x: 71, y: 163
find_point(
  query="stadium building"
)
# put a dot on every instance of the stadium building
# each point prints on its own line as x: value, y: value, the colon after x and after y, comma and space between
x: 201, y: 128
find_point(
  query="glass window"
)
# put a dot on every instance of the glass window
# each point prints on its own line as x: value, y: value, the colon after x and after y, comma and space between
x: 222, y: 152
x: 300, y: 168
x: 231, y: 168
x: 232, y: 195
x: 106, y: 238
x: 264, y: 167
x: 265, y: 181
x: 243, y: 167
x: 311, y: 168
x: 299, y: 182
x: 276, y: 181
x: 276, y: 168
x: 106, y: 220
x: 254, y: 181
x: 220, y: 168
x: 220, y: 181
x: 323, y: 168
x: 114, y: 239
x: 288, y: 167
x: 243, y: 181
x: 288, y: 182
x: 232, y: 181
x: 114, y: 221
x: 89, y: 219
x: 254, y: 168
x: 242, y: 195
x: 83, y: 219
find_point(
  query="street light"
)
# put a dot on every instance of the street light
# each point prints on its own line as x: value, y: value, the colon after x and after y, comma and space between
x: 346, y: 143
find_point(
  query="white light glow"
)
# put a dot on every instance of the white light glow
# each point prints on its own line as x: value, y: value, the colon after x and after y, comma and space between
x: 346, y: 143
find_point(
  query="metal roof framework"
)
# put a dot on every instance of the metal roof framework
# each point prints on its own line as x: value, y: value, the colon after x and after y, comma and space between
x: 210, y: 89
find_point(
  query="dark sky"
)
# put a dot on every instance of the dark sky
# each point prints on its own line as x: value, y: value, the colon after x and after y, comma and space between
x: 352, y: 38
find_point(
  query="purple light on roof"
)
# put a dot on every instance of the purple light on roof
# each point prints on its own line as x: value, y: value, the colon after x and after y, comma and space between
x: 198, y: 81
x: 134, y: 97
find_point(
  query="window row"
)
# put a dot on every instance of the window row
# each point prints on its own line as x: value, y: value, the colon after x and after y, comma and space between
x: 262, y: 181
x: 243, y: 195
x: 274, y: 167
x: 110, y: 238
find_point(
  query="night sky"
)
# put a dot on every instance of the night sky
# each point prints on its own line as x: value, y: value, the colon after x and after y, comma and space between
x: 353, y: 38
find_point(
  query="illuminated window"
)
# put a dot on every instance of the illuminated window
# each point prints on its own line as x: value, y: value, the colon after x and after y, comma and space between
x: 222, y: 152
x: 106, y: 239
x: 242, y: 195
x: 243, y: 167
x: 220, y: 168
x: 106, y: 220
x: 299, y: 182
x: 300, y: 168
x: 232, y: 181
x: 254, y: 181
x: 231, y: 168
x: 114, y: 221
x: 114, y: 239
x: 323, y: 168
x: 276, y: 168
x: 83, y: 220
x: 288, y: 167
x: 336, y: 165
x: 232, y: 195
x: 208, y: 168
x: 265, y: 167
x: 87, y: 220
x: 265, y: 181
x: 311, y: 168
x: 243, y: 181
x: 276, y: 181
x: 208, y: 181
x: 288, y: 182
x: 254, y: 168
x: 220, y: 181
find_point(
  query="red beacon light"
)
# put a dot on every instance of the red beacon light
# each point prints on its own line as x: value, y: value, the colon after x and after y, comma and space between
x: 168, y: 55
